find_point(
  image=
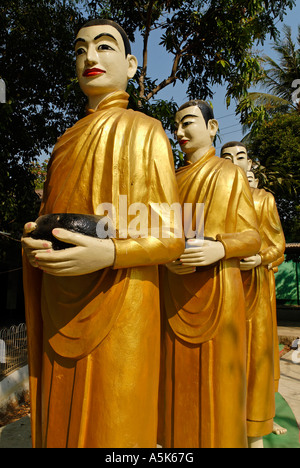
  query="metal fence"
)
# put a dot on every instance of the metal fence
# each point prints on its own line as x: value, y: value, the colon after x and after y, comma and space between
x: 13, y: 349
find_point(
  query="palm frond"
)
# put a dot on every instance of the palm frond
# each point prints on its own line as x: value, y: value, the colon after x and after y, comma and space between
x: 269, y: 101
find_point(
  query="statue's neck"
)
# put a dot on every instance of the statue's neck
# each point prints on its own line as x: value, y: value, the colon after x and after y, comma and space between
x: 194, y: 157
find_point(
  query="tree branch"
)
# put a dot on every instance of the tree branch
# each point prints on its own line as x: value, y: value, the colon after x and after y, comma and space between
x: 169, y: 80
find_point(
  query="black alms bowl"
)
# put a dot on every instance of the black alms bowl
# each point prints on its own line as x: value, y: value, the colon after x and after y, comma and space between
x: 82, y: 224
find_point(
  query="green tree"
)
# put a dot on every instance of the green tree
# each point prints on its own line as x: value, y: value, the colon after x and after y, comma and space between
x: 39, y: 171
x: 273, y: 120
x: 279, y: 79
x: 276, y: 150
x: 37, y: 66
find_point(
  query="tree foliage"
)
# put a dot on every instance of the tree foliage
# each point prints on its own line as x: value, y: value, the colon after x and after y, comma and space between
x: 278, y: 78
x: 273, y: 117
x: 276, y: 150
x: 37, y: 66
x: 210, y: 41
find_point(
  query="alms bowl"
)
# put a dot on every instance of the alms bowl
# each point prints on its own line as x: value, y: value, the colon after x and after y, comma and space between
x: 79, y: 223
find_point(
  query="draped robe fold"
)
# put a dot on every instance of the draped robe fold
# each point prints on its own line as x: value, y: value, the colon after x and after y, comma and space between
x: 263, y: 351
x: 203, y: 374
x: 94, y: 340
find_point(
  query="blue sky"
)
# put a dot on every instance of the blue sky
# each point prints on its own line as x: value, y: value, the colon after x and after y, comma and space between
x: 230, y: 128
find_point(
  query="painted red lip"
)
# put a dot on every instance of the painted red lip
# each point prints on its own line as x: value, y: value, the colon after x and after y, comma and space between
x: 93, y: 72
x: 183, y: 142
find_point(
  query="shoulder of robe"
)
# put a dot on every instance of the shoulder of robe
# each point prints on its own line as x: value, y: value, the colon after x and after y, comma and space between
x: 270, y: 197
x: 146, y: 124
x: 263, y: 195
x: 145, y: 119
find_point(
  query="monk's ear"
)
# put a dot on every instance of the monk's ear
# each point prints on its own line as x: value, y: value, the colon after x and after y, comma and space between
x: 132, y: 66
x: 213, y: 127
x: 249, y: 164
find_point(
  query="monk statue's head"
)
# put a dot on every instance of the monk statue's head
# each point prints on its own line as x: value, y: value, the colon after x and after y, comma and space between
x: 196, y: 128
x: 253, y: 182
x: 104, y: 62
x: 236, y: 152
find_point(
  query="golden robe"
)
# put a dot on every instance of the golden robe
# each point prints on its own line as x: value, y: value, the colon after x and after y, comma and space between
x: 94, y: 340
x: 203, y: 375
x: 262, y: 339
x: 272, y: 283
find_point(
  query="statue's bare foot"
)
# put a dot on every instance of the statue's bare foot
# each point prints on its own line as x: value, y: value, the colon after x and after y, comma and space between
x: 255, y: 442
x: 278, y: 430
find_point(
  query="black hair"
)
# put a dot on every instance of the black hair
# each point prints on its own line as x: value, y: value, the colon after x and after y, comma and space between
x: 230, y: 144
x: 206, y: 109
x: 108, y: 22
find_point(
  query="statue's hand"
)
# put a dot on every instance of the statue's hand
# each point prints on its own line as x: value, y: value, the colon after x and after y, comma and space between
x: 207, y: 254
x: 89, y: 255
x: 178, y: 268
x: 250, y: 263
x: 31, y: 246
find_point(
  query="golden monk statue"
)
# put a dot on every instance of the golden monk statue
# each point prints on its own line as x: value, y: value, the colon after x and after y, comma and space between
x: 93, y: 310
x: 272, y: 269
x: 203, y: 375
x: 261, y: 324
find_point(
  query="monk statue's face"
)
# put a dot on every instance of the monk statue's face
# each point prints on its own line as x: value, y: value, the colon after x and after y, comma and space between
x: 192, y: 132
x: 101, y: 63
x: 253, y: 182
x: 238, y: 155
